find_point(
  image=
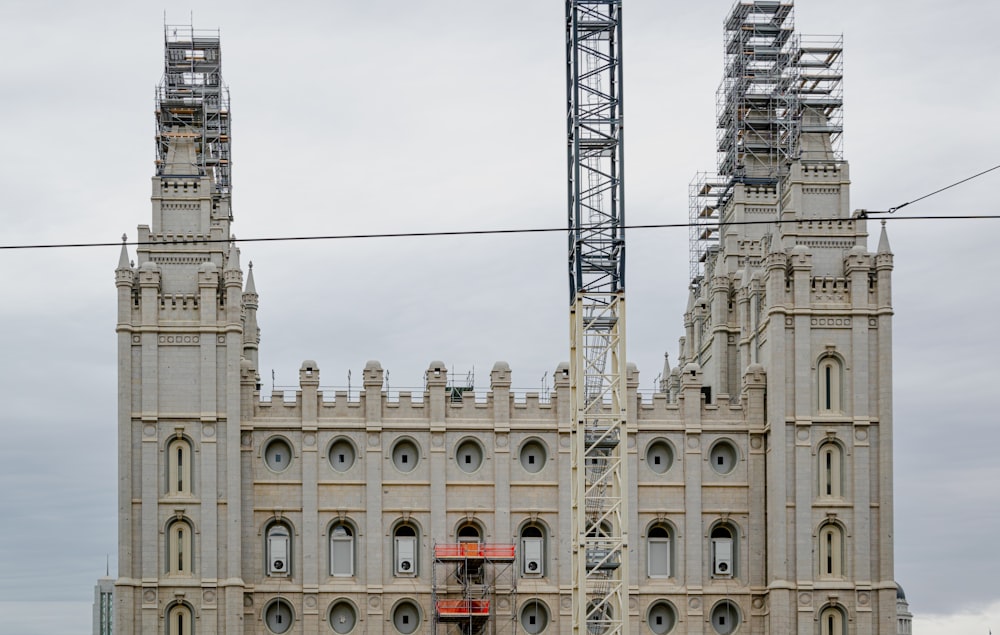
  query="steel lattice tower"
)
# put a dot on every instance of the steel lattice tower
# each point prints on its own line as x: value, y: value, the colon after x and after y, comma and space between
x: 597, y: 315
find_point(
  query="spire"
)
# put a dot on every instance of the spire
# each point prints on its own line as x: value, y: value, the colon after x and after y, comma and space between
x: 233, y: 261
x: 883, y: 242
x: 123, y: 262
x: 251, y: 287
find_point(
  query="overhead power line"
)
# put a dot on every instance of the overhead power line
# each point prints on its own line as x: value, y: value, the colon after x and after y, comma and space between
x: 470, y: 232
x: 893, y: 210
x: 538, y: 230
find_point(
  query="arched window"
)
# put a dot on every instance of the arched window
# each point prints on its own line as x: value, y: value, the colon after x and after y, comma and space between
x: 533, y: 550
x: 830, y: 470
x: 405, y: 539
x: 829, y: 376
x: 469, y: 532
x: 279, y: 550
x: 341, y: 550
x: 178, y: 467
x: 724, y: 556
x: 179, y: 620
x: 179, y: 548
x: 658, y: 552
x: 831, y: 622
x: 831, y: 551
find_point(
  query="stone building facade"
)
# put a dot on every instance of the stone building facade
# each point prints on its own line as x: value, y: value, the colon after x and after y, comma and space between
x: 761, y: 472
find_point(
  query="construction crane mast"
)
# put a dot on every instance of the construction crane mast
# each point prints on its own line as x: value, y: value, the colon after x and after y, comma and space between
x: 597, y: 316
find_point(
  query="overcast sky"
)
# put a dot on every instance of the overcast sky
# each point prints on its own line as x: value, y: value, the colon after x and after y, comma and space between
x: 360, y: 117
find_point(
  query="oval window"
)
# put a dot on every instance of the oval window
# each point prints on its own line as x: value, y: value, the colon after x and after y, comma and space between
x: 660, y: 456
x: 342, y: 454
x: 405, y: 455
x: 723, y: 457
x: 278, y: 455
x: 533, y: 456
x: 469, y: 455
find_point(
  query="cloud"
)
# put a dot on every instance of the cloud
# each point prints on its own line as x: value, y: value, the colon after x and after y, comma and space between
x: 980, y: 621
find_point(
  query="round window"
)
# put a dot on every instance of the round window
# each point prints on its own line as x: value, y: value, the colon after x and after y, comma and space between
x: 660, y: 456
x: 661, y: 618
x: 598, y: 618
x: 342, y: 454
x: 343, y: 617
x: 469, y: 455
x: 534, y: 617
x: 278, y: 616
x: 725, y: 617
x: 533, y: 456
x: 405, y: 455
x: 278, y: 454
x: 406, y: 617
x: 723, y: 457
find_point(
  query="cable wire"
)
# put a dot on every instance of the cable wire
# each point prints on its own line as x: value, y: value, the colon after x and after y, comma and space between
x: 471, y: 232
x: 893, y: 210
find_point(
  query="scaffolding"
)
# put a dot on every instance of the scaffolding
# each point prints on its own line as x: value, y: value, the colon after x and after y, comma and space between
x: 192, y: 110
x: 781, y: 100
x: 816, y: 95
x: 708, y: 194
x: 474, y: 589
x: 752, y: 104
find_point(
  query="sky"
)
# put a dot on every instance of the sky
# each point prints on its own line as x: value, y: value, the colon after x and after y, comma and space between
x: 391, y: 116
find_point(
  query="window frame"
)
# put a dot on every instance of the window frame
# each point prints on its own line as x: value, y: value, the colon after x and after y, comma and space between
x: 831, y: 469
x: 831, y: 551
x: 271, y: 541
x: 718, y: 543
x: 400, y: 539
x: 668, y: 542
x: 348, y: 539
x: 832, y: 621
x: 830, y: 384
x: 179, y: 611
x: 179, y: 470
x: 180, y: 548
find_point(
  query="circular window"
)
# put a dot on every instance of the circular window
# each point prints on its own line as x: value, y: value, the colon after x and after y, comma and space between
x: 405, y: 455
x: 723, y: 457
x: 278, y: 616
x: 725, y: 617
x: 469, y: 455
x: 343, y: 617
x: 278, y: 454
x: 598, y: 618
x: 406, y: 617
x: 533, y: 456
x: 661, y: 618
x: 660, y: 456
x: 342, y: 454
x: 534, y: 617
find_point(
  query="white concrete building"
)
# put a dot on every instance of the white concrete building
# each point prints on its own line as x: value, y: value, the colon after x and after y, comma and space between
x: 761, y: 473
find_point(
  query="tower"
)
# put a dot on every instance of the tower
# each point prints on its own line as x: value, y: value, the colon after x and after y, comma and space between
x: 180, y: 342
x: 784, y: 287
x: 599, y: 463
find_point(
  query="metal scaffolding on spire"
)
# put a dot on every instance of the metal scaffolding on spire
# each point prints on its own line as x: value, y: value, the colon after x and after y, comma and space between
x: 780, y: 100
x: 597, y: 316
x: 192, y: 111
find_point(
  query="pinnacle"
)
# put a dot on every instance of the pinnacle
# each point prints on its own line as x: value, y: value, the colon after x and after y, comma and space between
x: 883, y: 242
x: 251, y: 287
x: 123, y: 262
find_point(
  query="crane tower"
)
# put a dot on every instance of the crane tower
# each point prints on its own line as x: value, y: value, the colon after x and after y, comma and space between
x: 597, y: 316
